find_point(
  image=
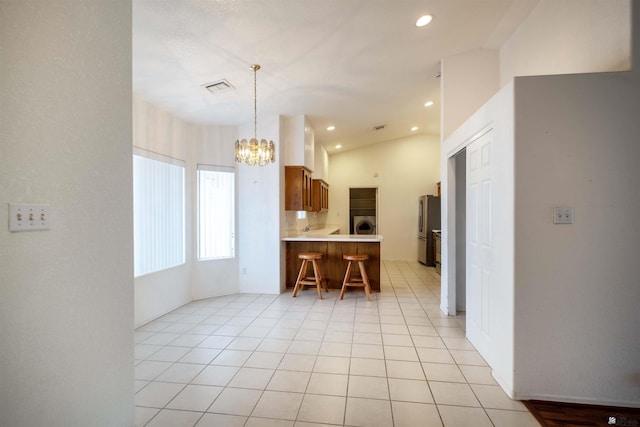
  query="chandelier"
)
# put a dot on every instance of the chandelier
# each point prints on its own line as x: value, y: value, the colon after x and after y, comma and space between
x: 254, y: 152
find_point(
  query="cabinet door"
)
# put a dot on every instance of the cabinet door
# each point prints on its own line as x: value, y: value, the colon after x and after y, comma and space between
x: 297, y: 188
x: 315, y: 196
x: 320, y: 190
x: 308, y: 191
x: 325, y: 193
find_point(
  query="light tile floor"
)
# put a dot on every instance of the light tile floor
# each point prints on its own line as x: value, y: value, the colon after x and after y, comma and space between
x: 276, y: 361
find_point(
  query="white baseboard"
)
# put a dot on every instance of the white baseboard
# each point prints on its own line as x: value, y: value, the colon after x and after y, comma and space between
x: 503, y: 384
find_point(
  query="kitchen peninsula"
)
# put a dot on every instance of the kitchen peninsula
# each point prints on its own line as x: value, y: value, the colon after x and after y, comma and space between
x: 332, y: 245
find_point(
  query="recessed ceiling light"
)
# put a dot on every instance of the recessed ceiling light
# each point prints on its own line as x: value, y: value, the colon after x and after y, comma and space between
x: 428, y: 103
x: 423, y: 20
x: 338, y: 146
x: 415, y: 128
x: 330, y: 128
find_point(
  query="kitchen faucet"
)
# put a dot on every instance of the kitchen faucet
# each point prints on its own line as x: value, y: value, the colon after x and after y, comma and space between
x: 309, y: 225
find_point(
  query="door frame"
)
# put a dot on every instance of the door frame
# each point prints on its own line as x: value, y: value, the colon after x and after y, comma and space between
x: 448, y: 277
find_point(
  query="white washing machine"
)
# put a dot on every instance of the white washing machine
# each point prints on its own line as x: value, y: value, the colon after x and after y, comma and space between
x: 364, y: 224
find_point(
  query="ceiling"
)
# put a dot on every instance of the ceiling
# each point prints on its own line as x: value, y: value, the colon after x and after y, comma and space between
x: 354, y: 64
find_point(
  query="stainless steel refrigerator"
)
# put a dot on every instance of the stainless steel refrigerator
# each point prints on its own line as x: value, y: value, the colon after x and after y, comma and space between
x: 428, y: 220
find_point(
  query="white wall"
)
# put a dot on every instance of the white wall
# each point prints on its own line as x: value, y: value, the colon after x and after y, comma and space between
x: 321, y: 159
x: 569, y: 36
x: 66, y: 305
x: 158, y: 131
x: 557, y: 37
x: 468, y: 80
x: 292, y: 140
x: 297, y: 142
x: 257, y: 265
x: 214, y: 277
x: 576, y: 285
x: 406, y: 169
x: 309, y: 145
x: 260, y: 214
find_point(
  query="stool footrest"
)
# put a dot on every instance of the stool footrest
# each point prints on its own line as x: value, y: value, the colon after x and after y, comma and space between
x: 308, y: 282
x: 317, y: 279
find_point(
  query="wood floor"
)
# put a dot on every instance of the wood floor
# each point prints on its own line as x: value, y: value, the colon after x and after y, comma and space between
x: 558, y: 414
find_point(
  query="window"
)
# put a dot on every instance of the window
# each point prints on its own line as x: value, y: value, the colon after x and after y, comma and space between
x: 158, y: 212
x: 216, y: 223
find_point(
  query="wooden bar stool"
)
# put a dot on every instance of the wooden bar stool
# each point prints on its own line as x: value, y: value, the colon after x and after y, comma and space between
x: 317, y: 279
x: 362, y: 281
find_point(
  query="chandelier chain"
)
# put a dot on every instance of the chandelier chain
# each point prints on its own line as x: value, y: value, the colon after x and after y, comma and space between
x: 255, y: 102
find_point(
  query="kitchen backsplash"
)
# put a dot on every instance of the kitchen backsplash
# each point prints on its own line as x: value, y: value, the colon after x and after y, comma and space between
x: 299, y: 220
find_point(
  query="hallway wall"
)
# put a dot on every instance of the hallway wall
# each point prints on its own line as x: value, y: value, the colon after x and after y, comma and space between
x: 66, y: 294
x: 576, y: 285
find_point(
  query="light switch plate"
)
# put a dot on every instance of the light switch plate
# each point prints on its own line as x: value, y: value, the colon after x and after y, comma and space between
x: 28, y: 217
x: 562, y: 215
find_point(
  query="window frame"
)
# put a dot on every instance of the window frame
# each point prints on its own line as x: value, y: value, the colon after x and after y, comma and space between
x: 223, y: 169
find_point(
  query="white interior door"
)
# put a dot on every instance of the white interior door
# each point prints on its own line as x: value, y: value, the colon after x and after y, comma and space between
x: 479, y: 242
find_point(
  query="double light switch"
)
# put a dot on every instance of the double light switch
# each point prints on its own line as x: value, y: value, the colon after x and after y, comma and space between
x: 562, y: 215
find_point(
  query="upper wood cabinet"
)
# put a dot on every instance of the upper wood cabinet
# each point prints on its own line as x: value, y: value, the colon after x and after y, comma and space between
x: 320, y: 192
x: 297, y: 188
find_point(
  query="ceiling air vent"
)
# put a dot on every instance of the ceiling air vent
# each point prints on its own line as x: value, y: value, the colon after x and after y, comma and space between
x: 379, y: 127
x: 218, y: 87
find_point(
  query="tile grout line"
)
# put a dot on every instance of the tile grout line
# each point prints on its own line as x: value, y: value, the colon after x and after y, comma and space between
x: 410, y: 292
x: 422, y: 366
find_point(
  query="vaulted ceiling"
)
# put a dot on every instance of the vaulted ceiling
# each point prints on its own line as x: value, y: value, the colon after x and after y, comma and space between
x: 354, y: 64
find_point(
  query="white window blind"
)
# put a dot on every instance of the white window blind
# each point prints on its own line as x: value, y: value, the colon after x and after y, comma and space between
x: 158, y: 212
x: 216, y: 222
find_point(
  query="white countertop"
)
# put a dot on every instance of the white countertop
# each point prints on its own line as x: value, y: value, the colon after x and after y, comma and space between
x: 314, y: 237
x: 325, y: 233
x: 316, y: 230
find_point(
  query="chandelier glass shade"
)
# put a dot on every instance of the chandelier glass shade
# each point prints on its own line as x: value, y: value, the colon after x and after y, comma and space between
x: 254, y: 152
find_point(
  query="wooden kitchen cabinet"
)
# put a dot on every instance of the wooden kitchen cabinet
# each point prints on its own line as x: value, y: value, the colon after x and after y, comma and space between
x: 297, y: 188
x: 320, y: 196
